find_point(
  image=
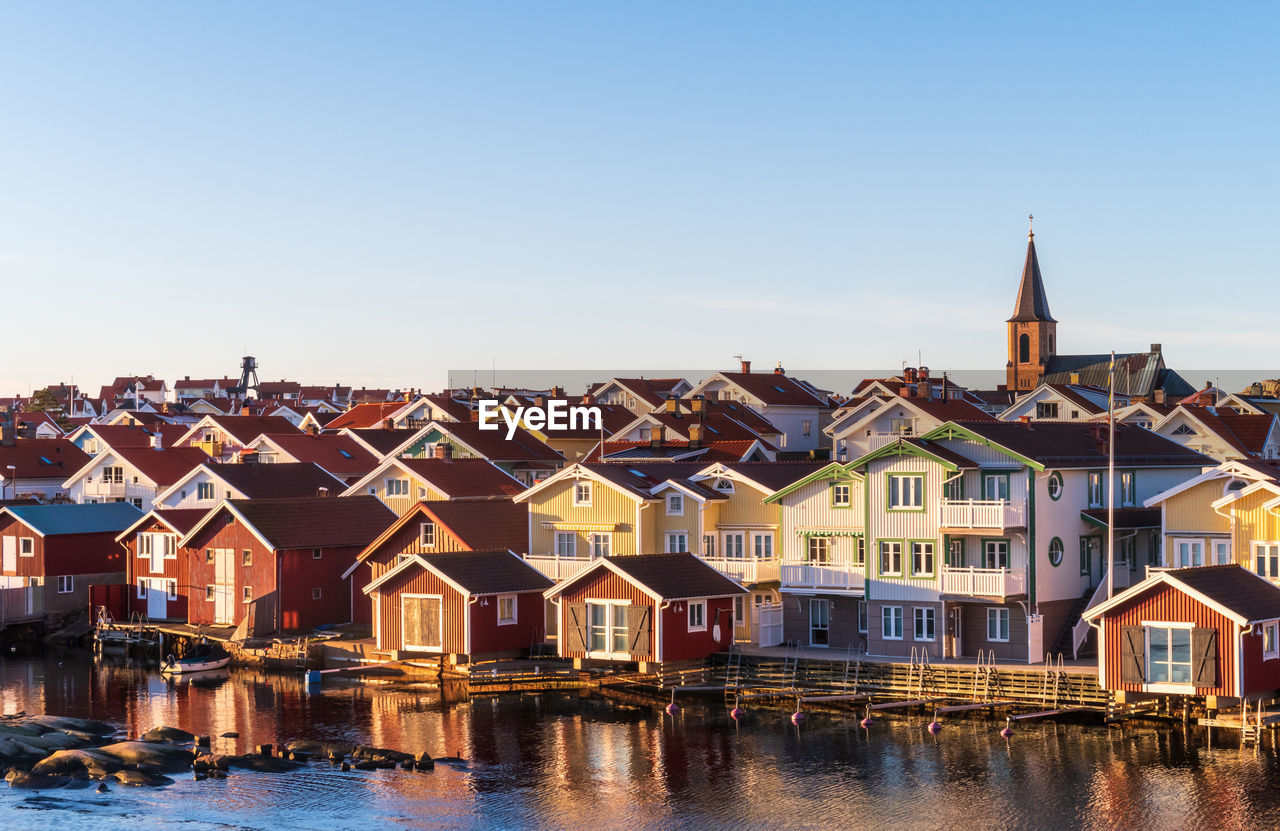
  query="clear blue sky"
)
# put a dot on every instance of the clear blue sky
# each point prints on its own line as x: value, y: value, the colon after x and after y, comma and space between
x: 379, y: 192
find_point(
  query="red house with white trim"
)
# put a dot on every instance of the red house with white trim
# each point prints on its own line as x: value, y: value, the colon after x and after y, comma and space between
x: 157, y: 571
x: 645, y: 608
x: 463, y: 604
x: 1208, y: 630
x: 277, y: 565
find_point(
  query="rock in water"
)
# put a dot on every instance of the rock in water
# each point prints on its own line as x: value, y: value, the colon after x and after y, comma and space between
x: 160, y: 755
x: 138, y: 778
x: 167, y: 734
x: 35, y: 781
x: 73, y: 762
x: 230, y: 734
x: 263, y: 764
x: 82, y: 725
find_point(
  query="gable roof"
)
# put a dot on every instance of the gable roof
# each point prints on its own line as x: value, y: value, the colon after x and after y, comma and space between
x: 279, y: 480
x: 1137, y: 373
x: 70, y: 518
x: 483, y: 523
x: 337, y: 454
x: 773, y: 476
x: 307, y: 522
x: 164, y: 467
x: 1246, y: 433
x: 652, y: 391
x: 365, y: 415
x: 1077, y: 444
x: 774, y: 388
x: 178, y: 520
x: 474, y: 572
x: 132, y: 435
x: 494, y: 445
x: 463, y: 478
x: 41, y: 459
x: 663, y: 577
x: 1232, y: 590
x: 379, y: 440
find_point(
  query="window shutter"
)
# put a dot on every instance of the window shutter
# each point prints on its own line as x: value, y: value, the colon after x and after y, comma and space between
x: 1204, y: 657
x: 639, y: 640
x: 577, y: 627
x: 1133, y: 648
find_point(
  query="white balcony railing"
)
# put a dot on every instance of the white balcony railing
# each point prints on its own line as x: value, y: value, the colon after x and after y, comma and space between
x: 984, y: 582
x: 745, y: 569
x: 108, y: 490
x: 557, y: 568
x: 840, y: 576
x: 878, y: 440
x: 993, y: 514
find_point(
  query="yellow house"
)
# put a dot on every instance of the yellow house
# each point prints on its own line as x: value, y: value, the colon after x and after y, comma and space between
x: 1217, y: 517
x: 402, y: 483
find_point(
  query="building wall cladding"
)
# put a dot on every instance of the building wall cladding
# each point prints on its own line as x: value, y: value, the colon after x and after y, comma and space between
x: 843, y: 630
x: 390, y: 632
x: 408, y: 540
x: 259, y: 576
x: 602, y: 585
x: 177, y: 568
x: 877, y: 644
x: 1166, y: 604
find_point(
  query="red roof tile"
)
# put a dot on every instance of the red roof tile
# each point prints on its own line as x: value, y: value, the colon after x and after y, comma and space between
x: 464, y: 478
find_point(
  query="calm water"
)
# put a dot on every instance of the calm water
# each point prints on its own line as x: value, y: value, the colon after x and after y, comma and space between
x: 564, y: 761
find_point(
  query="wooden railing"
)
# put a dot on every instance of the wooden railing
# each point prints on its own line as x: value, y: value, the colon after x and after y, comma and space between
x: 745, y: 569
x: 984, y: 582
x: 838, y: 576
x: 557, y: 568
x: 980, y: 513
x: 20, y: 604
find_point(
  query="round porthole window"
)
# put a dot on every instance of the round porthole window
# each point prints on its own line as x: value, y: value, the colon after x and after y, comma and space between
x: 1055, y: 552
x: 1055, y: 486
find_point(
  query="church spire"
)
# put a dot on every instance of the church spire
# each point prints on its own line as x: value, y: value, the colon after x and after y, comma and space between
x: 1032, y: 304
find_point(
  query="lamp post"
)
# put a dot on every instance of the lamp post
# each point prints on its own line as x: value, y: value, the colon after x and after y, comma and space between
x: 12, y: 474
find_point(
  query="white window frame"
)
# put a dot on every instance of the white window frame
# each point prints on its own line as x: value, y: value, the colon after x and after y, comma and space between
x: 66, y: 584
x: 1095, y: 495
x: 1193, y: 545
x: 142, y: 588
x: 1267, y: 551
x: 925, y: 617
x: 566, y: 544
x: 610, y: 625
x: 889, y: 616
x: 675, y: 504
x: 1166, y: 686
x: 762, y: 546
x: 424, y: 539
x: 672, y: 542
x: 317, y: 594
x: 396, y: 486
x: 202, y: 488
x: 246, y: 594
x: 734, y: 545
x: 701, y: 624
x: 1000, y: 616
x: 1221, y: 552
x: 515, y: 609
x: 601, y: 544
x: 26, y: 546
x: 582, y: 493
x: 739, y: 610
x: 892, y: 548
x: 1271, y: 640
x: 899, y: 493
x: 845, y: 501
x: 171, y: 589
x: 923, y: 550
x: 709, y: 546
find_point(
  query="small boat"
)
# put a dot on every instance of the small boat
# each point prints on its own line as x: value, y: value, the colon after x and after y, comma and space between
x: 202, y: 658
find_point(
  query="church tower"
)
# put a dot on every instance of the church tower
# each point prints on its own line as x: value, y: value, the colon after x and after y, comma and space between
x: 1032, y: 330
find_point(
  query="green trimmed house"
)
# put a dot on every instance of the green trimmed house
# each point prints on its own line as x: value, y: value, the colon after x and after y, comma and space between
x: 982, y: 537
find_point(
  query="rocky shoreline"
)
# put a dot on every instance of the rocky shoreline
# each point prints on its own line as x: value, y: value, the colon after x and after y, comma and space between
x: 43, y: 752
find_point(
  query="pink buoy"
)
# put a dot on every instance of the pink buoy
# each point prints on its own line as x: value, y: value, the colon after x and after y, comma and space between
x: 672, y: 708
x: 935, y: 726
x: 736, y: 713
x: 1008, y: 729
x: 797, y: 718
x: 867, y: 720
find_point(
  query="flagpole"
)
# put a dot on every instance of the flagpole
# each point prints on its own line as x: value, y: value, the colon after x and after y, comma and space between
x: 1111, y: 476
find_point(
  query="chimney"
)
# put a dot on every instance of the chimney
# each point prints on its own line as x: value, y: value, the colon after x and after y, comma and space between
x: 924, y: 374
x: 557, y: 392
x: 655, y: 437
x: 695, y: 436
x: 248, y: 457
x: 442, y: 451
x: 1025, y: 421
x: 7, y: 438
x: 746, y: 367
x: 322, y: 492
x: 313, y: 429
x: 587, y: 400
x: 673, y: 405
x: 778, y: 370
x: 1157, y: 395
x: 245, y: 411
x: 698, y: 405
x: 156, y: 442
x: 1075, y: 378
x: 1155, y: 347
x: 408, y: 396
x: 540, y: 401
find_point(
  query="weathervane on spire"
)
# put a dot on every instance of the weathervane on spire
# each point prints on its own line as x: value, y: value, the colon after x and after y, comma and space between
x: 1031, y: 228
